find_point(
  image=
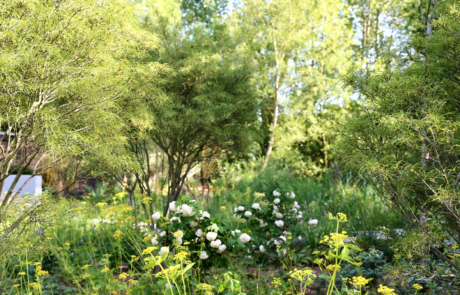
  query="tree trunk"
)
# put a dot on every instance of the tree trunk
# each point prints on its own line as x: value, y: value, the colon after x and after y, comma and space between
x: 275, y: 120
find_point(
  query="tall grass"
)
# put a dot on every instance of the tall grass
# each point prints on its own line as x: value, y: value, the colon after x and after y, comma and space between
x: 317, y: 196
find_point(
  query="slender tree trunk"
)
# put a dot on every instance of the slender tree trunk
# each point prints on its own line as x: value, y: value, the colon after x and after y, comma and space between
x: 275, y: 121
x: 325, y: 150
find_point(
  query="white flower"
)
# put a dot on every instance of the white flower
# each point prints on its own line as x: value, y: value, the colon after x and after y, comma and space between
x: 235, y: 231
x: 276, y: 194
x: 193, y: 223
x: 241, y: 208
x: 167, y: 286
x: 281, y: 252
x: 205, y: 215
x: 244, y: 238
x: 154, y: 241
x: 210, y: 236
x: 163, y: 250
x: 156, y: 216
x: 247, y: 214
x: 248, y: 257
x: 199, y: 233
x: 204, y: 255
x: 313, y: 222
x: 222, y: 248
x: 175, y: 218
x: 292, y: 195
x: 172, y: 206
x: 262, y: 248
x: 279, y: 223
x: 299, y: 237
x: 276, y: 201
x: 283, y: 238
x: 187, y: 210
x: 179, y: 241
x: 279, y: 215
x: 236, y: 209
x: 162, y: 234
x: 216, y: 243
x: 294, y: 210
x: 179, y: 234
x: 193, y: 201
x: 256, y: 206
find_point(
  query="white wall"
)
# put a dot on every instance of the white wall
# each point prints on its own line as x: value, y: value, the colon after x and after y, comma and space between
x: 34, y: 186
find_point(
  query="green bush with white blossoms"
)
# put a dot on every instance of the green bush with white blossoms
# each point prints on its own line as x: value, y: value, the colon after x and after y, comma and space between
x: 272, y: 223
x: 263, y: 230
x: 210, y: 241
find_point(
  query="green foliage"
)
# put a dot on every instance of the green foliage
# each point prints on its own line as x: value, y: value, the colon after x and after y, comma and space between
x: 373, y: 266
x: 316, y: 196
x: 406, y: 139
x: 210, y: 105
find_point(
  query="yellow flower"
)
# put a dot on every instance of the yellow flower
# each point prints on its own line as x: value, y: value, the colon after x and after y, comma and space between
x: 342, y: 217
x: 386, y: 291
x: 178, y: 234
x: 333, y: 267
x: 105, y: 269
x: 302, y: 275
x: 148, y: 250
x: 86, y: 266
x: 40, y: 272
x: 49, y: 239
x: 417, y: 286
x: 186, y: 243
x: 21, y: 273
x: 222, y: 208
x: 118, y: 234
x: 181, y: 255
x: 315, y: 252
x: 276, y: 282
x: 123, y: 276
x: 16, y: 285
x: 101, y: 204
x: 67, y: 244
x: 360, y: 281
x: 207, y: 289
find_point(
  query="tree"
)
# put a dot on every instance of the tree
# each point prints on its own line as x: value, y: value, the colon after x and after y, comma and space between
x: 273, y: 30
x: 65, y: 66
x: 210, y: 109
x: 406, y: 141
x: 209, y: 105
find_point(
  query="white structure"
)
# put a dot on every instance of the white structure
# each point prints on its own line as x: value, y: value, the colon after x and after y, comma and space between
x: 34, y: 186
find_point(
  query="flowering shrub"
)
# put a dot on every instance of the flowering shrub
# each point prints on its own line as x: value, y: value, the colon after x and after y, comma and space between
x: 272, y: 223
x: 208, y: 240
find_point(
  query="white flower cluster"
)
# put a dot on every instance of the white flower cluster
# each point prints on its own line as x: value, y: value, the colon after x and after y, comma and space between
x: 142, y: 226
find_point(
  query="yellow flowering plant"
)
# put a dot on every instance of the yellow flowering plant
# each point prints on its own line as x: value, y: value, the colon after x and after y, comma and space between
x: 338, y: 252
